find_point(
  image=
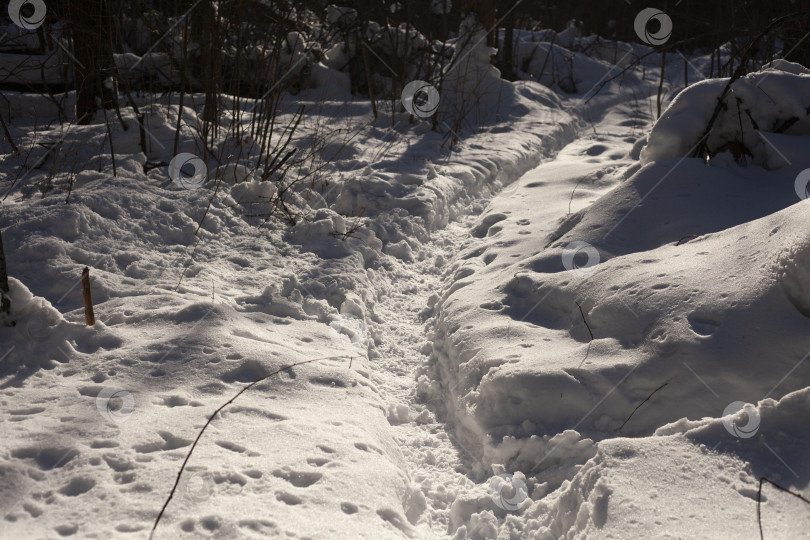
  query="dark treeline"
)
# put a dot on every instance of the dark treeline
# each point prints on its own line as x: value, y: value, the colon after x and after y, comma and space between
x: 702, y: 23
x: 242, y: 47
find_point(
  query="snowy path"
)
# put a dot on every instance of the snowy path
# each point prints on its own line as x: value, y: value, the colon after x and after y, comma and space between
x: 440, y: 464
x: 432, y: 458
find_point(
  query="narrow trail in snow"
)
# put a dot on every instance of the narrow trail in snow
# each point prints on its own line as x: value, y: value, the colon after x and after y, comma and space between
x: 432, y: 456
x: 438, y: 463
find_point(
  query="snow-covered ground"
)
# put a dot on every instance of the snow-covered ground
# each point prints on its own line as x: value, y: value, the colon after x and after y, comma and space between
x: 548, y: 331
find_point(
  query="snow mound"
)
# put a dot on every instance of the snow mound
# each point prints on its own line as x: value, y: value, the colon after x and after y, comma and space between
x: 755, y: 433
x: 41, y: 338
x: 771, y: 101
x: 794, y: 275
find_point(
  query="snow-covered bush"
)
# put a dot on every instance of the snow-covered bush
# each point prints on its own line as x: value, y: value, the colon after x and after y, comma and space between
x: 472, y: 91
x: 773, y: 100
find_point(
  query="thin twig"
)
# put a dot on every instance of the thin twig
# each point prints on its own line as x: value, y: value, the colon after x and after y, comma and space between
x: 211, y: 418
x: 640, y: 404
x: 5, y: 302
x: 759, y: 500
x: 583, y: 320
x: 572, y: 195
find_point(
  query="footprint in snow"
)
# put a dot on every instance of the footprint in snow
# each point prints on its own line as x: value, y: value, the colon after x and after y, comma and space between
x: 298, y: 478
x: 170, y: 442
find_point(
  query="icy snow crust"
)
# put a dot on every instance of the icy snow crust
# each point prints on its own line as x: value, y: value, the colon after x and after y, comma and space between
x: 471, y: 362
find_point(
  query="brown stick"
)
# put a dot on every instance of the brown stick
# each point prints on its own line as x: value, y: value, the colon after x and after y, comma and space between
x: 5, y: 303
x: 89, y: 316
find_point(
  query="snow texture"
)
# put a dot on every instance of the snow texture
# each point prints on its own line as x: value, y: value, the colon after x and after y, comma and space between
x: 541, y: 333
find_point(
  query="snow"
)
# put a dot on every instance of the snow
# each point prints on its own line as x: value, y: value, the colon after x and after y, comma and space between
x: 560, y: 327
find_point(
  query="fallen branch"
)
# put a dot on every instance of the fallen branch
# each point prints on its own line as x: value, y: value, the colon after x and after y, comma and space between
x: 759, y: 499
x: 211, y: 418
x: 640, y: 404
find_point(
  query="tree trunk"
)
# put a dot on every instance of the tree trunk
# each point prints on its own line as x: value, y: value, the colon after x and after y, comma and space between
x: 206, y: 64
x: 508, y: 55
x: 5, y: 303
x: 89, y: 25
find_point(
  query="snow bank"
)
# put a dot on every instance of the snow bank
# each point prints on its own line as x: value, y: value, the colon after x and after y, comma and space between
x: 532, y: 393
x: 557, y: 67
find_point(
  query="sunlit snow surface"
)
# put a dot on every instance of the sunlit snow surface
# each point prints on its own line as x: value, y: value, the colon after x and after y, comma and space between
x: 469, y: 399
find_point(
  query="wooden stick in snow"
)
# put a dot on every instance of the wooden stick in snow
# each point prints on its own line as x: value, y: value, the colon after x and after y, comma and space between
x: 89, y: 316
